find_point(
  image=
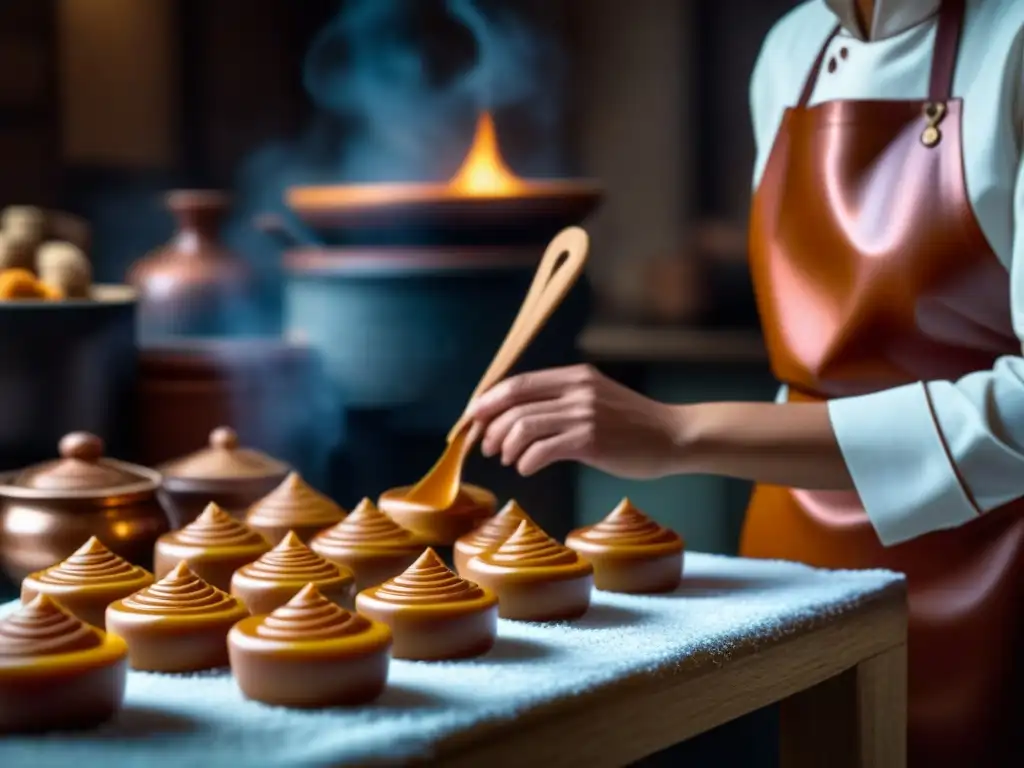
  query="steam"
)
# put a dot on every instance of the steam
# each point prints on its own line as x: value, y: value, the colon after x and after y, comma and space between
x: 398, y: 86
x: 407, y: 117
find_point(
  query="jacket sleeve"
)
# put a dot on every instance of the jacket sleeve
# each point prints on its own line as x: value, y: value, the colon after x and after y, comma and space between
x: 935, y: 455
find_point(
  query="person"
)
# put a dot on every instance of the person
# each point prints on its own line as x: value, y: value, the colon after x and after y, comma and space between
x: 887, y: 254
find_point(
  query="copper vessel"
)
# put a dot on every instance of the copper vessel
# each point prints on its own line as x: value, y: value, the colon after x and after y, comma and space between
x: 225, y: 473
x: 433, y: 211
x: 265, y: 388
x: 193, y: 286
x: 484, y: 203
x: 49, y: 510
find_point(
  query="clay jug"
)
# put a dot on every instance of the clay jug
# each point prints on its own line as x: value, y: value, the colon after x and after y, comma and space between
x: 193, y: 286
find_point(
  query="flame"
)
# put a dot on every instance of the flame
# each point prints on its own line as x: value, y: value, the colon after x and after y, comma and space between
x: 483, y: 172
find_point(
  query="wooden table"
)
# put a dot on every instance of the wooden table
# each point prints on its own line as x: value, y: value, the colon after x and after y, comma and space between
x: 635, y: 675
x: 841, y: 683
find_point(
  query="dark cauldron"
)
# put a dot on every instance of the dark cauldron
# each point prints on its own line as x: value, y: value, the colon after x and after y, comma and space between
x: 67, y: 366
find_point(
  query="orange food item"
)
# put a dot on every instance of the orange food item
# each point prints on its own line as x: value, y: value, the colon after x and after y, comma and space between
x: 439, y: 527
x: 270, y: 582
x: 433, y: 613
x: 52, y: 292
x: 535, y: 577
x: 214, y: 545
x: 370, y: 543
x: 22, y: 284
x: 87, y: 582
x: 56, y: 671
x: 490, y: 535
x: 310, y: 652
x: 293, y: 506
x: 630, y: 552
x: 179, y: 624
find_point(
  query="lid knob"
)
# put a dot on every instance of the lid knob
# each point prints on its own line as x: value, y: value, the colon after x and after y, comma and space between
x: 224, y: 438
x: 82, y: 446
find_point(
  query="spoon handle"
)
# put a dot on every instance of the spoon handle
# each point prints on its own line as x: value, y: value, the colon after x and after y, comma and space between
x: 559, y: 269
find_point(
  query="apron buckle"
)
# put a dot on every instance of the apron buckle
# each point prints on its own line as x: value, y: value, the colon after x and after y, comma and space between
x: 934, y: 112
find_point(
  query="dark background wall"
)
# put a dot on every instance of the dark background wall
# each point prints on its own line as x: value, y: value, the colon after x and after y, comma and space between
x: 105, y: 103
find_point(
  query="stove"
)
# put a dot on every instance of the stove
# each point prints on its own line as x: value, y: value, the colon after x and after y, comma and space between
x: 406, y: 292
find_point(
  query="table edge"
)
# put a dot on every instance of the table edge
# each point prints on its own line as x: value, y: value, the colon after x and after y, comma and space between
x: 644, y: 702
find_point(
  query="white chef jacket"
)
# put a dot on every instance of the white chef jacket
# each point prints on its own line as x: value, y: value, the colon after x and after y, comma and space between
x: 916, y: 472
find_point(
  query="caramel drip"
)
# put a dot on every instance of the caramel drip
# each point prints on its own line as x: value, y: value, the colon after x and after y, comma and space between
x: 179, y: 593
x: 464, y: 503
x: 294, y: 500
x: 497, y: 529
x: 216, y: 528
x: 291, y: 560
x: 309, y: 616
x: 428, y: 580
x: 530, y: 547
x: 369, y: 528
x: 628, y: 526
x: 92, y: 563
x: 42, y: 628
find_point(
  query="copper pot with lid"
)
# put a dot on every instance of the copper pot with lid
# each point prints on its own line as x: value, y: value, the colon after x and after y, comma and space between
x: 49, y: 510
x: 224, y: 472
x: 193, y: 285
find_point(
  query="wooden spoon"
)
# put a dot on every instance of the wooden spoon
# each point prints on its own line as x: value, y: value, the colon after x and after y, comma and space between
x: 559, y: 268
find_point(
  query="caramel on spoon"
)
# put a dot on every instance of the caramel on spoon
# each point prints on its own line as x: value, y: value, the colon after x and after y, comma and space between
x: 557, y: 272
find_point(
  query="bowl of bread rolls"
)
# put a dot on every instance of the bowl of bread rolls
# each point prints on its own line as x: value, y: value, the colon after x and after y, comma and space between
x: 43, y: 255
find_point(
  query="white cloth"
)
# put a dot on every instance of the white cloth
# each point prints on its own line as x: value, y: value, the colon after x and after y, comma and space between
x: 898, y: 454
x: 202, y: 721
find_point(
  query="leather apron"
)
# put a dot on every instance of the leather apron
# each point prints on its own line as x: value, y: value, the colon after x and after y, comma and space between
x: 871, y: 271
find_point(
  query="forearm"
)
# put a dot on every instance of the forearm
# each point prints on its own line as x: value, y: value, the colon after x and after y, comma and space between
x: 790, y: 444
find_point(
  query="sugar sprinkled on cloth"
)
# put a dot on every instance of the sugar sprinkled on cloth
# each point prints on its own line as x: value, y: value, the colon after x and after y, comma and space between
x: 203, y: 720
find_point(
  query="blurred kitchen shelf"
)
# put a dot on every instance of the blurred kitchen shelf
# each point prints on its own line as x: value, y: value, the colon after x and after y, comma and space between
x: 610, y: 342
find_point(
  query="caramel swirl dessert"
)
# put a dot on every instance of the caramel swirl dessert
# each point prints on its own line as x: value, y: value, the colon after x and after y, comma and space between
x: 535, y: 577
x: 214, y: 545
x: 439, y: 527
x: 276, y: 578
x: 310, y: 652
x: 630, y: 552
x: 370, y: 543
x: 293, y: 506
x: 56, y: 671
x: 87, y: 582
x: 433, y: 613
x: 490, y: 535
x: 179, y: 624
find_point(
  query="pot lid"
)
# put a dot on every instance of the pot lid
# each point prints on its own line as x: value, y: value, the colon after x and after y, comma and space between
x: 223, y: 459
x: 82, y: 468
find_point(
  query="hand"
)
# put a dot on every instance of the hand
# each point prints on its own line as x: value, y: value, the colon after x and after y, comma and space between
x: 577, y: 414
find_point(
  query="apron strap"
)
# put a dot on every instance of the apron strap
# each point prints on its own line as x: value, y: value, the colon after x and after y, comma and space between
x: 947, y: 43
